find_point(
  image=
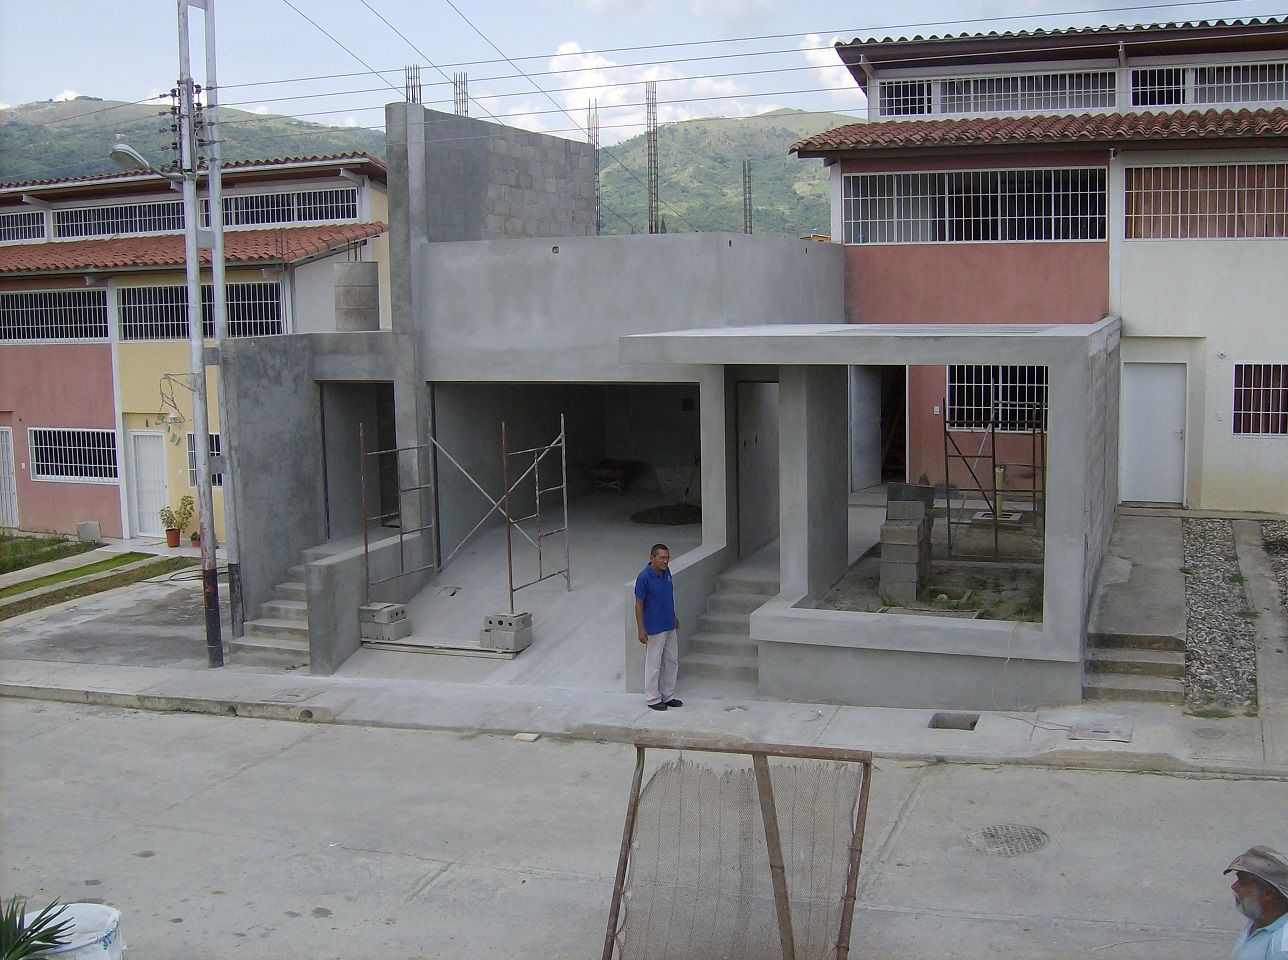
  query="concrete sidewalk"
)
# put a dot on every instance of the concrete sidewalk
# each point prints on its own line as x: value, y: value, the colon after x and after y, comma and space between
x: 144, y: 648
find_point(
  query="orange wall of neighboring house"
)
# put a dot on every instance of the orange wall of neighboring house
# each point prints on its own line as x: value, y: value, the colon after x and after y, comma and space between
x: 1041, y: 282
x: 58, y: 385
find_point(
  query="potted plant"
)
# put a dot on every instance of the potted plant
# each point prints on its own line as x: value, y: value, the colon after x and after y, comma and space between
x: 173, y: 520
x: 23, y: 935
x: 194, y: 538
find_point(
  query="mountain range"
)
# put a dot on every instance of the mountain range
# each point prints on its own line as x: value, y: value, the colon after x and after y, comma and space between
x: 699, y: 161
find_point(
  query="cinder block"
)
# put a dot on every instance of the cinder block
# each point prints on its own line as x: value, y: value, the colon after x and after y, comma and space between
x: 89, y: 530
x: 899, y: 571
x: 900, y: 531
x: 901, y: 553
x: 899, y: 592
x: 906, y: 510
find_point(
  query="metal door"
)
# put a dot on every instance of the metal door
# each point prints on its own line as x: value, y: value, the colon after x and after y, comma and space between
x: 8, y: 480
x: 1152, y: 437
x: 148, y: 481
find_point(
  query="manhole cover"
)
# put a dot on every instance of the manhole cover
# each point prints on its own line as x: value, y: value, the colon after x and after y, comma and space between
x: 1209, y: 733
x: 1007, y: 839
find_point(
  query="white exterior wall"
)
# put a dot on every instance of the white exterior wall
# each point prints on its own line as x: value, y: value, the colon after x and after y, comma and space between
x: 1212, y: 304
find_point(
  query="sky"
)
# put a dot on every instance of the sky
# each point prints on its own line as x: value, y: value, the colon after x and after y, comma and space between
x: 338, y: 61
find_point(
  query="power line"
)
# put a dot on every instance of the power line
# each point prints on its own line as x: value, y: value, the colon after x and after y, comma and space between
x: 369, y: 67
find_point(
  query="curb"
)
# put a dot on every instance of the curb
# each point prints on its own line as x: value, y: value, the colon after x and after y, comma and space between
x: 253, y: 709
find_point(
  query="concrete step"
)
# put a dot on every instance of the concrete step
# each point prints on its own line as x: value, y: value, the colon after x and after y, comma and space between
x: 729, y: 623
x: 291, y: 590
x: 721, y: 644
x: 268, y: 651
x: 734, y: 582
x: 285, y: 610
x: 277, y: 629
x: 744, y: 603
x: 1115, y: 686
x: 297, y: 572
x: 1137, y: 641
x: 719, y: 667
x: 1154, y: 663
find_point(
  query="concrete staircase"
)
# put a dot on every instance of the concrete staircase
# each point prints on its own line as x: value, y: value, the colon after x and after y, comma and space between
x: 280, y: 636
x: 1134, y: 667
x: 722, y: 649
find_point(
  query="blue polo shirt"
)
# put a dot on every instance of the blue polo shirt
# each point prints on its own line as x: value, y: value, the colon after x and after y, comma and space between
x: 659, y: 600
x: 1268, y: 943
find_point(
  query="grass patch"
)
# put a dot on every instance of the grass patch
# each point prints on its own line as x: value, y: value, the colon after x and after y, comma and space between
x: 98, y: 566
x: 18, y: 553
x: 1249, y: 614
x: 122, y: 579
x: 1212, y: 713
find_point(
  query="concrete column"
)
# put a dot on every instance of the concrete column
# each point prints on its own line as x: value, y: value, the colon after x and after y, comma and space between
x: 357, y: 295
x: 813, y: 477
x: 865, y: 427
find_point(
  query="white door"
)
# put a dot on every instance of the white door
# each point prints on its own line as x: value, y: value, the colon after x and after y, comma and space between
x: 8, y: 480
x: 148, y: 481
x: 1152, y: 438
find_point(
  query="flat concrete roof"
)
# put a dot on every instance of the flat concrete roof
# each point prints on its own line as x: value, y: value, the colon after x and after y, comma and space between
x: 853, y: 343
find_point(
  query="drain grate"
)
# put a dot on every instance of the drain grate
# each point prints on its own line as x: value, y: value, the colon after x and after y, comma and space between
x: 1007, y: 839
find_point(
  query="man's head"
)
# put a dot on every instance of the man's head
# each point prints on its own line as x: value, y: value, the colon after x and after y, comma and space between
x: 1260, y: 885
x: 659, y: 557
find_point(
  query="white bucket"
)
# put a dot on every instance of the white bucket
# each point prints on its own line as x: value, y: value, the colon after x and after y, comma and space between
x: 95, y: 936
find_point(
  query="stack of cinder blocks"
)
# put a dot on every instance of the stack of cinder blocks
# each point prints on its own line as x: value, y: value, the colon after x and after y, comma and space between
x: 905, y: 549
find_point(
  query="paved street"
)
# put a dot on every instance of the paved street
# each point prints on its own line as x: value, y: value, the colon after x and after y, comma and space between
x: 222, y: 837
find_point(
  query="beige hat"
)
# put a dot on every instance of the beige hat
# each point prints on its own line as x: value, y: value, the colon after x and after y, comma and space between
x: 1264, y: 864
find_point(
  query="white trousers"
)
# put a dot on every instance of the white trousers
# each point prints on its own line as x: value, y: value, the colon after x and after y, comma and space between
x: 661, y: 664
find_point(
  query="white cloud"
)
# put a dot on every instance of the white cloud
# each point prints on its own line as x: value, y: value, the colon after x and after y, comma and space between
x: 350, y: 121
x: 731, y: 11
x: 261, y: 109
x: 829, y: 73
x: 66, y: 95
x: 618, y: 8
x: 5, y: 106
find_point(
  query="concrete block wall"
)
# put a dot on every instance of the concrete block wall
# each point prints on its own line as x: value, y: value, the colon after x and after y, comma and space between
x: 538, y: 186
x: 1102, y: 455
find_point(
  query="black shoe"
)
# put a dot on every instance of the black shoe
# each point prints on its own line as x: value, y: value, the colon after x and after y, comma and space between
x: 674, y: 703
x: 657, y: 706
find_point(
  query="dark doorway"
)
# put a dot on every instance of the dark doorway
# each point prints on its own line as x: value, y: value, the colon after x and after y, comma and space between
x: 894, y: 424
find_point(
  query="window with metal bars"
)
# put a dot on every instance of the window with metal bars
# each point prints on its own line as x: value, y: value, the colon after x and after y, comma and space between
x: 1261, y: 399
x: 77, y: 456
x: 1209, y: 84
x: 216, y: 449
x: 23, y: 225
x: 974, y: 206
x: 161, y: 313
x: 902, y: 98
x: 1014, y: 399
x: 53, y: 315
x: 1037, y: 92
x: 157, y: 216
x: 295, y: 206
x: 1207, y: 202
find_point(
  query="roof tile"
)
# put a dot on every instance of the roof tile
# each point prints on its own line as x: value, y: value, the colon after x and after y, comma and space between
x: 279, y: 245
x: 1082, y: 128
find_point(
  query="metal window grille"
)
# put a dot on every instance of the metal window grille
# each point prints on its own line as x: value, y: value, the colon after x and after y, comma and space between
x: 902, y: 98
x: 80, y: 456
x: 216, y: 449
x: 1157, y: 86
x: 25, y: 225
x: 1014, y: 398
x: 1038, y: 92
x: 295, y: 206
x: 161, y: 313
x: 1203, y: 202
x: 53, y: 315
x: 974, y: 206
x: 158, y: 216
x: 1241, y: 83
x: 1261, y: 399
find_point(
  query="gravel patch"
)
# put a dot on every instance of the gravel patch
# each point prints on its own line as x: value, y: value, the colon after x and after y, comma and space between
x: 1220, y: 656
x: 1274, y: 534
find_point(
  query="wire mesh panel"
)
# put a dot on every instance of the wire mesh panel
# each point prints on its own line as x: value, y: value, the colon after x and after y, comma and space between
x: 703, y: 878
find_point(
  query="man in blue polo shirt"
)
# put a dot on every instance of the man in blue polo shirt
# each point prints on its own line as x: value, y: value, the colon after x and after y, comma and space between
x: 1261, y: 894
x: 657, y: 624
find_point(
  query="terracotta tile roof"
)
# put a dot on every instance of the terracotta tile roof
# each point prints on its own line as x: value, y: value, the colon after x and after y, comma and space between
x: 1133, y: 28
x: 284, y: 245
x: 1083, y: 128
x: 228, y: 166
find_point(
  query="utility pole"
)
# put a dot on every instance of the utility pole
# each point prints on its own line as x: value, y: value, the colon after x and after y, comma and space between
x: 650, y: 120
x: 592, y: 136
x: 746, y: 196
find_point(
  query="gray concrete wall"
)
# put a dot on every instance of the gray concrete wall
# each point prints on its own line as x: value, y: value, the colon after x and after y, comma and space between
x: 1102, y: 463
x: 865, y: 427
x: 356, y: 295
x: 542, y: 310
x: 658, y: 425
x: 345, y: 407
x: 337, y: 588
x: 313, y: 296
x: 813, y: 477
x: 274, y: 434
x: 757, y: 465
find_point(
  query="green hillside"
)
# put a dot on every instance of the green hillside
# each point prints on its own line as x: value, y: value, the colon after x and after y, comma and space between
x: 700, y: 179
x: 72, y: 138
x: 700, y: 176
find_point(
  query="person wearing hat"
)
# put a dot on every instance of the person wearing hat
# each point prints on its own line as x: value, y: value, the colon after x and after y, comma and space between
x: 1261, y: 894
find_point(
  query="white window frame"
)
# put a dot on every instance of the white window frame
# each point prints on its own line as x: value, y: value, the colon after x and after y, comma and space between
x: 110, y: 448
x: 16, y: 219
x: 50, y: 305
x: 173, y: 298
x: 1194, y: 215
x: 1281, y: 412
x: 216, y: 450
x: 962, y: 422
x: 176, y: 212
x: 292, y: 198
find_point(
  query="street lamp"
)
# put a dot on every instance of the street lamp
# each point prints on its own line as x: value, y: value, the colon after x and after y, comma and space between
x: 129, y: 158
